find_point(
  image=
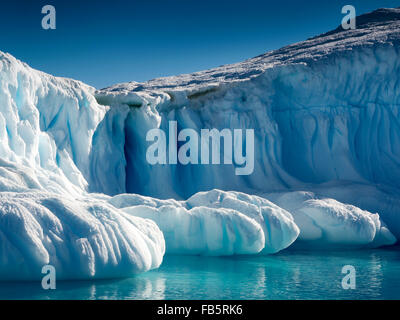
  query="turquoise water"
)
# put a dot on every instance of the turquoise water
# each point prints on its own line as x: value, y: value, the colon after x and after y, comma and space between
x: 287, y: 275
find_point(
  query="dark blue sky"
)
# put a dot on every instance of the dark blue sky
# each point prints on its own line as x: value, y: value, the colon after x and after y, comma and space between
x: 106, y: 42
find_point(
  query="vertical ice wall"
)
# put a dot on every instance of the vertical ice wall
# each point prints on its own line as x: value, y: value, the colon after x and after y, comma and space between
x: 47, y: 126
x: 325, y: 117
x: 333, y: 119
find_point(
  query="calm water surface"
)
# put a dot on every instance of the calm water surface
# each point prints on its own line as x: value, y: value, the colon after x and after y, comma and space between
x: 287, y: 275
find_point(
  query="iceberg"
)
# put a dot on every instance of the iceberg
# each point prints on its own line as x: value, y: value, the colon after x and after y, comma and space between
x: 328, y: 223
x: 324, y: 111
x: 279, y: 228
x: 47, y: 126
x: 204, y: 231
x: 77, y: 192
x: 81, y: 238
x: 216, y: 223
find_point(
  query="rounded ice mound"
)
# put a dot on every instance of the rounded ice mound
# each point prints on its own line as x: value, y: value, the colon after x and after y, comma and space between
x: 82, y: 239
x: 204, y: 231
x: 329, y: 223
x: 278, y: 225
x: 215, y: 222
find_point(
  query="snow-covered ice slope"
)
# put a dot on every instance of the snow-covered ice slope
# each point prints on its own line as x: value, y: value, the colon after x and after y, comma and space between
x: 81, y: 238
x: 324, y: 111
x: 77, y: 192
x: 46, y: 216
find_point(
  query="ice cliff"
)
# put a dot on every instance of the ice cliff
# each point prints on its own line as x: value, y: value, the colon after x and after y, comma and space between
x: 77, y: 192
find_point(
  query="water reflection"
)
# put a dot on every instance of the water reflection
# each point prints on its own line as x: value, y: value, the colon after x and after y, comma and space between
x: 288, y: 275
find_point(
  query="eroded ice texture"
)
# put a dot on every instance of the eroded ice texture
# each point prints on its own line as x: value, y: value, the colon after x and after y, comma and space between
x: 278, y: 226
x: 216, y: 222
x: 325, y: 116
x: 81, y: 238
x: 324, y: 111
x: 328, y: 223
x: 47, y: 126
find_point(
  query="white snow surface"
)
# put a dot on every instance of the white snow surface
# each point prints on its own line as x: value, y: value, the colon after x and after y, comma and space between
x: 324, y: 111
x: 46, y: 216
x: 216, y: 222
x: 76, y: 190
x: 278, y: 226
x: 328, y: 223
x: 81, y: 238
